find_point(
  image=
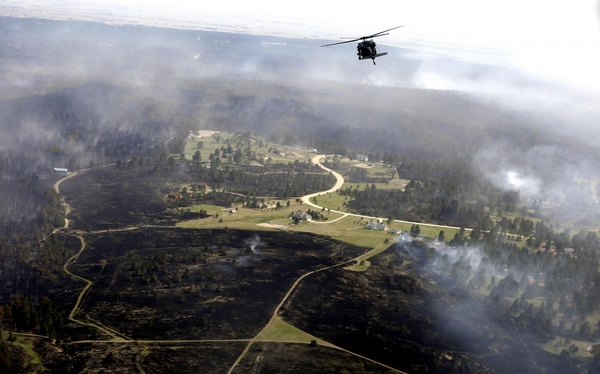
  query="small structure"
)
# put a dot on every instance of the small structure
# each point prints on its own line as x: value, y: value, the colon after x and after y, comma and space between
x: 174, y: 195
x: 374, y: 225
x: 362, y: 158
x: 200, y: 186
x: 594, y: 348
x: 301, y: 215
x: 61, y: 171
x: 230, y: 210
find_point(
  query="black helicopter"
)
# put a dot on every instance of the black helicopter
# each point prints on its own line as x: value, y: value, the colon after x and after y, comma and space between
x: 367, y: 48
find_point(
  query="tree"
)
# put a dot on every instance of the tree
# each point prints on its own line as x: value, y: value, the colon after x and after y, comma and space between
x: 585, y: 331
x: 415, y: 231
x: 442, y: 236
x: 197, y: 157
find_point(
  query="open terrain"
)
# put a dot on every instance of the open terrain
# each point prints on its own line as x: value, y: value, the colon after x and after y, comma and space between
x: 139, y: 291
x: 241, y: 249
x: 148, y: 284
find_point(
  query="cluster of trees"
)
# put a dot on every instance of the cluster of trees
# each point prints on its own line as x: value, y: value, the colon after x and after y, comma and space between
x: 21, y: 194
x: 428, y: 201
x: 158, y: 268
x: 24, y: 315
x: 276, y: 180
x: 542, y: 292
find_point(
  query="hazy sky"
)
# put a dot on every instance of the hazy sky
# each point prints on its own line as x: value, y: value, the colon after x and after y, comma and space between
x: 557, y: 40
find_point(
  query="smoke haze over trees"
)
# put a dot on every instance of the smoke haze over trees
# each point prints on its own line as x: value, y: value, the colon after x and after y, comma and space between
x: 81, y: 95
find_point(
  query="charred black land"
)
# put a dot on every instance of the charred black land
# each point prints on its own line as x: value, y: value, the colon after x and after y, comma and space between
x: 162, y: 284
x: 96, y: 273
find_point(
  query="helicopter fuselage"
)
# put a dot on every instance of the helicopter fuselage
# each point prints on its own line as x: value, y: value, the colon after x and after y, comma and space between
x: 366, y: 49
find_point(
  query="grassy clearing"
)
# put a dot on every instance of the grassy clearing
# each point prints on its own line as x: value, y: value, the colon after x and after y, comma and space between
x: 485, y: 289
x: 333, y: 201
x: 362, y: 264
x: 375, y: 251
x: 429, y: 232
x: 394, y: 184
x: 348, y: 229
x: 359, y: 266
x: 557, y: 345
x: 27, y: 344
x: 210, y: 145
x: 281, y: 331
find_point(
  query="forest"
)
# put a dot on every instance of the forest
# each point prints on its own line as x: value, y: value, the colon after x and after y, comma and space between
x: 543, y: 295
x: 522, y: 265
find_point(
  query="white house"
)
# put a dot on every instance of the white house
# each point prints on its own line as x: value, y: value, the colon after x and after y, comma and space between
x: 301, y: 215
x: 374, y: 225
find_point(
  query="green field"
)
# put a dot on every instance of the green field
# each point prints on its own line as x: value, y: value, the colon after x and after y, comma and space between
x: 349, y: 229
x: 281, y: 331
x: 210, y: 145
x: 394, y: 184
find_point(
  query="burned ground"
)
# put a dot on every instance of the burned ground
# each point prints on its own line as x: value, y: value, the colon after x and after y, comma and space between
x: 301, y: 358
x: 109, y: 198
x: 384, y: 313
x: 397, y: 314
x: 162, y: 284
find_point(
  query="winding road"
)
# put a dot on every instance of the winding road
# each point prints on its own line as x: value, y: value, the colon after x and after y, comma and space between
x: 117, y: 337
x: 338, y: 184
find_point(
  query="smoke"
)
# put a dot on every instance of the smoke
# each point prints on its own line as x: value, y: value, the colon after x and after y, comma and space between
x: 253, y: 243
x: 550, y: 173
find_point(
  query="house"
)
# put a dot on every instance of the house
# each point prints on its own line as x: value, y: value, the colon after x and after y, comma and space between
x: 395, y: 231
x: 174, y: 195
x: 200, y: 186
x: 61, y: 171
x: 374, y: 225
x: 301, y: 215
x: 593, y: 348
x: 362, y: 158
x: 230, y: 210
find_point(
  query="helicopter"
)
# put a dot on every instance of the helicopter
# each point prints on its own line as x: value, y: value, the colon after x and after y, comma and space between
x: 367, y: 48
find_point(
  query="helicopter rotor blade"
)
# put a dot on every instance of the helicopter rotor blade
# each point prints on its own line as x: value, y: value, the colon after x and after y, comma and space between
x: 347, y: 41
x: 363, y: 38
x: 382, y: 33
